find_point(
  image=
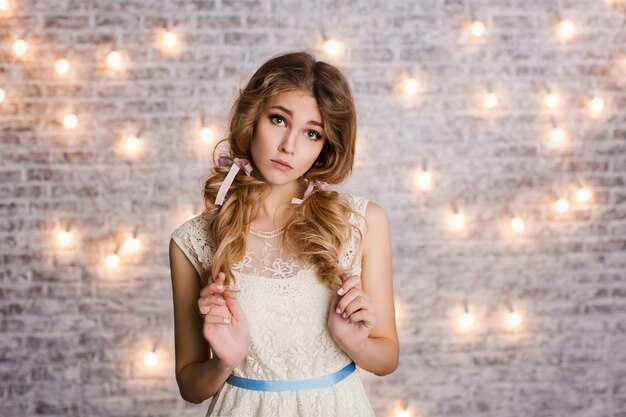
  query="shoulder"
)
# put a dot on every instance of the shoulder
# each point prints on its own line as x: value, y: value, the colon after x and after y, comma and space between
x: 189, y: 226
x: 356, y: 202
x: 377, y: 225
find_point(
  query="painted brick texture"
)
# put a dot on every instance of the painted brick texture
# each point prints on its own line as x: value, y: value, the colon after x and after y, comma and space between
x: 74, y: 332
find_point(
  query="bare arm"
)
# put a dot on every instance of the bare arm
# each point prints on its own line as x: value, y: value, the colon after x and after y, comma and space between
x: 198, y: 376
x: 380, y: 352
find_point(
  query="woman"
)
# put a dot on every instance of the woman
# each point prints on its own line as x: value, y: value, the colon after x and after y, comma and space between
x: 282, y: 286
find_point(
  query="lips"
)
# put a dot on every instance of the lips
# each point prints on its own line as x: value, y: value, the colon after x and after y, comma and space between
x: 281, y: 162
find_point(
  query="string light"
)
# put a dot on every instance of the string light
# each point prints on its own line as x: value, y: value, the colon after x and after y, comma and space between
x: 457, y: 220
x: 331, y: 46
x: 557, y: 135
x: 131, y: 243
x: 403, y: 412
x: 4, y: 5
x: 466, y: 320
x: 112, y: 260
x: 170, y: 39
x: 150, y: 359
x: 70, y: 121
x: 513, y: 319
x: 411, y: 86
x: 207, y: 134
x: 490, y: 100
x: 62, y: 65
x: 583, y: 194
x: 561, y: 205
x: 477, y: 28
x: 566, y: 29
x: 114, y: 59
x: 3, y: 95
x: 596, y: 105
x: 552, y: 99
x: 20, y: 47
x: 423, y: 178
x: 64, y: 237
x: 517, y: 224
x: 132, y: 144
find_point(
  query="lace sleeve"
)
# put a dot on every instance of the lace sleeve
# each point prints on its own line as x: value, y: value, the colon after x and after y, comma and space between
x: 351, y: 257
x: 191, y: 237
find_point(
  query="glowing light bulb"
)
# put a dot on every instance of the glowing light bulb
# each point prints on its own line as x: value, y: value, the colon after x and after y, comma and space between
x: 4, y: 5
x: 70, y: 121
x: 411, y: 86
x: 557, y: 136
x: 478, y: 28
x: 466, y: 320
x: 561, y: 205
x: 64, y: 238
x: 596, y: 105
x: 553, y: 100
x: 132, y: 143
x: 3, y: 95
x: 583, y: 194
x: 62, y: 66
x: 170, y: 39
x: 332, y: 47
x: 514, y: 319
x: 457, y: 221
x: 423, y: 180
x: 114, y: 59
x: 403, y: 413
x: 112, y: 260
x: 150, y: 359
x: 490, y: 100
x: 20, y: 47
x: 206, y: 135
x: 566, y: 29
x: 517, y: 224
x: 131, y: 244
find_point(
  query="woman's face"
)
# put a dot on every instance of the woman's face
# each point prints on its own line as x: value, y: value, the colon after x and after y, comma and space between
x: 290, y: 130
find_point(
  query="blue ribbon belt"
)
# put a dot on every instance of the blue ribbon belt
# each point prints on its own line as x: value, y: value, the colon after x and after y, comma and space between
x: 291, y: 385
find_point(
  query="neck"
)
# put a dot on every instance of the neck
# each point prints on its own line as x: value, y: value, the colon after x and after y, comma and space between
x: 275, y: 203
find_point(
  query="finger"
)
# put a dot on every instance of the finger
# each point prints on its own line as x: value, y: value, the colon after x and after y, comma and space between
x: 350, y: 282
x: 234, y: 307
x: 214, y: 287
x: 347, y: 299
x: 358, y: 304
x: 213, y: 300
x: 216, y: 319
x: 364, y: 316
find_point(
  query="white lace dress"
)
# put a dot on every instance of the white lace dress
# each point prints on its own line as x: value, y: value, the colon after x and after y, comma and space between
x: 287, y: 309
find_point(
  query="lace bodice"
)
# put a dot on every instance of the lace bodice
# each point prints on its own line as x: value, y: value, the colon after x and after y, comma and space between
x: 287, y: 309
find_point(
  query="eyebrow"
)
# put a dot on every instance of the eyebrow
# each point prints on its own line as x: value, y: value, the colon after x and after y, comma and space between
x: 290, y: 114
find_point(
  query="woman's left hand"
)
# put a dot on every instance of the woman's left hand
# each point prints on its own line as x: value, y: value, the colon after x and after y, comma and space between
x: 351, y: 327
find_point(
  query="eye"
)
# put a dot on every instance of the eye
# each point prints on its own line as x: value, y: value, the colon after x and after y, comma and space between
x: 278, y: 116
x: 274, y: 116
x: 319, y: 136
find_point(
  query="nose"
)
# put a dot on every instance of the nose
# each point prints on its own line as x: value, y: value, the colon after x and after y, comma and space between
x: 287, y: 145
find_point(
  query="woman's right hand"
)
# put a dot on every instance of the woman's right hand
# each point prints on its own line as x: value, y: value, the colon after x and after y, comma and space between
x: 229, y: 339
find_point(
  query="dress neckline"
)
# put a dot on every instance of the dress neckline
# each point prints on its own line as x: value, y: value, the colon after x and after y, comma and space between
x: 271, y: 233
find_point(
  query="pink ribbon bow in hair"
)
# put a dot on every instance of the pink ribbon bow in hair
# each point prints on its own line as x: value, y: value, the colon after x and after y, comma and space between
x: 309, y: 190
x: 235, y: 165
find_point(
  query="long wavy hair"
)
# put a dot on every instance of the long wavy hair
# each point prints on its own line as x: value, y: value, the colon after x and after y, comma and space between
x: 319, y: 227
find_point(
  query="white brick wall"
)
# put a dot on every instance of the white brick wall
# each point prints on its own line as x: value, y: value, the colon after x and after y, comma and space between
x: 74, y: 333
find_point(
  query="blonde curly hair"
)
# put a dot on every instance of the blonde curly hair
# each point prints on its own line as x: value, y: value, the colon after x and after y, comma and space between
x: 320, y: 226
